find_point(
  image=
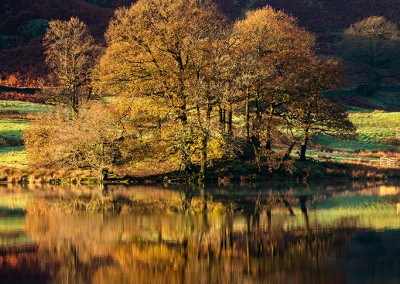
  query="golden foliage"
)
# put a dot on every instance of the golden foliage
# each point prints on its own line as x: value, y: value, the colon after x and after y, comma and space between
x: 88, y: 141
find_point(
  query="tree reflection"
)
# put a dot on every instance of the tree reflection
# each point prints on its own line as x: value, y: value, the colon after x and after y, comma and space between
x: 204, y: 248
x: 266, y: 235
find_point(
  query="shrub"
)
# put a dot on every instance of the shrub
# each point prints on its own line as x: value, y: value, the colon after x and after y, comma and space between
x: 88, y: 141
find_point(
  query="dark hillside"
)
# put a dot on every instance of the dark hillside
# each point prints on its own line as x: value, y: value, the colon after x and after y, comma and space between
x: 23, y: 22
x: 322, y: 15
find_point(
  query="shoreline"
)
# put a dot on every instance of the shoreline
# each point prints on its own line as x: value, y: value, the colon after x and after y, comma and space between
x: 305, y: 172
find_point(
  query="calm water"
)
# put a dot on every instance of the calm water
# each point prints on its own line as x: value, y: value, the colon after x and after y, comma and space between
x: 348, y: 233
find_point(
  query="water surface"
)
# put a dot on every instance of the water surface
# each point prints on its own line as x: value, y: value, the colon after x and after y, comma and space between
x: 342, y: 233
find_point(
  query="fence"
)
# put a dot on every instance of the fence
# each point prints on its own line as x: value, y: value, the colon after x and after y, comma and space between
x: 397, y: 133
x: 388, y: 162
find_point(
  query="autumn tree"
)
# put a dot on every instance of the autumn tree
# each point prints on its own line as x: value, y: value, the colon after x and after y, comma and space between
x: 273, y: 55
x: 91, y: 140
x: 371, y: 48
x: 157, y: 49
x: 313, y: 113
x: 70, y: 53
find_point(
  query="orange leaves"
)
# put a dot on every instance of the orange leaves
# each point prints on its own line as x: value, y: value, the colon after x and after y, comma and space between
x: 374, y: 28
x: 70, y: 53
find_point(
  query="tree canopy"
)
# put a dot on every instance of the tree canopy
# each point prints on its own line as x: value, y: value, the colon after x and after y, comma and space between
x: 371, y: 47
x: 70, y: 53
x: 190, y: 87
x: 162, y: 48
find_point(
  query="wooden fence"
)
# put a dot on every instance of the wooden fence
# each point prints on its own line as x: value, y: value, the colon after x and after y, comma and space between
x: 397, y: 133
x: 388, y: 162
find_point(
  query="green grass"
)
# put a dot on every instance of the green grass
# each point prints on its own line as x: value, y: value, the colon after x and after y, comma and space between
x: 339, y: 157
x: 23, y: 107
x: 372, y: 129
x: 389, y: 96
x: 13, y: 157
x: 10, y: 224
x: 12, y: 129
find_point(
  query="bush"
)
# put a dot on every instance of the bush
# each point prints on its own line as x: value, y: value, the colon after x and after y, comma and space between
x: 88, y: 141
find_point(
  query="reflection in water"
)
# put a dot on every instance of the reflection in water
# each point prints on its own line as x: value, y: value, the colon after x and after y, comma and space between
x: 184, y: 249
x: 262, y: 237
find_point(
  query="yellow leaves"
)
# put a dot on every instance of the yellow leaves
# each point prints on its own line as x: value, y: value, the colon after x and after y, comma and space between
x: 374, y: 28
x: 154, y: 44
x: 272, y: 31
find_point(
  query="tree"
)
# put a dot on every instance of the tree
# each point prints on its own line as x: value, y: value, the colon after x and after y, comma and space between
x: 313, y: 113
x: 273, y: 55
x: 156, y: 49
x: 207, y: 91
x: 371, y: 47
x: 70, y: 53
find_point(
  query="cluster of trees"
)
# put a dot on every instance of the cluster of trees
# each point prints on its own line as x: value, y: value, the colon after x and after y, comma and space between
x: 187, y: 85
x: 371, y: 49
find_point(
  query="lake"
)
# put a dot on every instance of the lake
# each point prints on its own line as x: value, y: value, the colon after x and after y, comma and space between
x: 281, y: 233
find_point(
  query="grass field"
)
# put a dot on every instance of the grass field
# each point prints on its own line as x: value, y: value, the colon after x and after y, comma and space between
x: 12, y: 128
x: 376, y: 130
x: 13, y: 154
x: 13, y: 157
x: 22, y: 107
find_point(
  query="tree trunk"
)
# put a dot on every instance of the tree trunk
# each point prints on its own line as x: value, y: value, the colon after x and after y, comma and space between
x: 221, y: 117
x: 204, y: 141
x: 255, y: 136
x: 303, y: 148
x: 74, y: 101
x: 186, y: 163
x: 268, y: 144
x: 248, y: 116
x: 287, y: 155
x: 228, y: 122
x: 203, y: 160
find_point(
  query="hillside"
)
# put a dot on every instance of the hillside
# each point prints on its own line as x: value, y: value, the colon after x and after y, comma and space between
x: 23, y: 22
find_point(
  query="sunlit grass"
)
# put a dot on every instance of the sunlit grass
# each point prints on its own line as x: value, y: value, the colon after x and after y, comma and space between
x: 13, y: 157
x: 23, y: 107
x: 373, y: 128
x: 11, y: 129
